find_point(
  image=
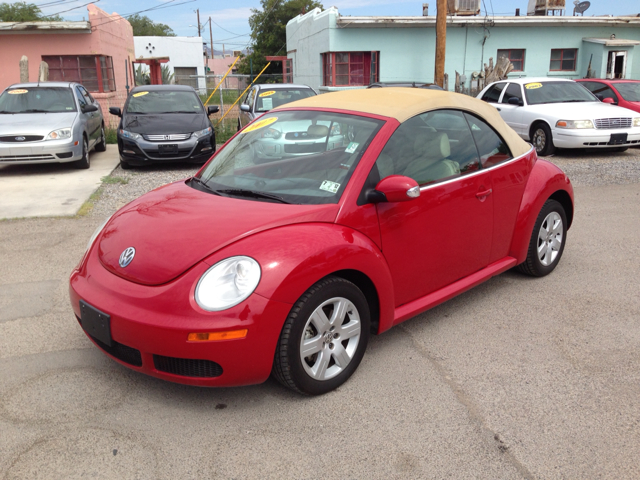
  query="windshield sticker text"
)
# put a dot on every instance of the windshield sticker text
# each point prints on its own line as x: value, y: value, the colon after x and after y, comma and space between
x: 330, y: 186
x: 267, y: 94
x: 260, y: 124
x: 140, y: 94
x: 267, y: 104
x: 17, y: 92
x: 533, y: 86
x: 351, y: 147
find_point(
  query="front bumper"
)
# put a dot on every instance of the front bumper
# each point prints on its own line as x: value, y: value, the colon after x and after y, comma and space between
x: 141, y: 151
x: 599, y: 138
x: 43, y: 151
x: 150, y: 324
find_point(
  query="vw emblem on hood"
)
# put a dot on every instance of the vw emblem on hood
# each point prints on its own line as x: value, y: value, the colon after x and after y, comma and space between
x: 127, y: 256
x: 20, y: 139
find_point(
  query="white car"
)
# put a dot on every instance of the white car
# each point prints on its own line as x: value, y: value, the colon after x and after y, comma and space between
x: 556, y: 112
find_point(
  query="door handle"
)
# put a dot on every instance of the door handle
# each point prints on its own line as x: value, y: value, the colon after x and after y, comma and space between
x: 498, y: 109
x: 482, y: 196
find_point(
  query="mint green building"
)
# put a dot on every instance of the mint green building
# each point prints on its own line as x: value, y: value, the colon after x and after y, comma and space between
x: 334, y: 52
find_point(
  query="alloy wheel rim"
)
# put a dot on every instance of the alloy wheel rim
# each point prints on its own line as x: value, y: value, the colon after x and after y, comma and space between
x: 550, y: 239
x: 330, y: 339
x: 540, y: 140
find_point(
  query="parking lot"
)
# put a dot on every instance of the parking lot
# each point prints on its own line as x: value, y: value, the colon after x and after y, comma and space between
x: 517, y: 378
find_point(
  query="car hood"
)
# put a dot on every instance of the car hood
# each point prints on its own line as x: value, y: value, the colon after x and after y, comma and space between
x: 581, y: 111
x: 174, y: 227
x: 165, y: 123
x: 35, y: 123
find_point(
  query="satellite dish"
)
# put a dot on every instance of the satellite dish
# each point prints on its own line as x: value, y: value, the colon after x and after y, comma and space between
x: 582, y: 7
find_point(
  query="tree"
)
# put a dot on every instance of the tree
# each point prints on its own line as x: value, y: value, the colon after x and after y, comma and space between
x: 144, y: 27
x: 269, y: 32
x: 24, y: 12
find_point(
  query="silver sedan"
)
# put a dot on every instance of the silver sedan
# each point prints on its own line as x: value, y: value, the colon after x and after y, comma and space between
x: 49, y: 122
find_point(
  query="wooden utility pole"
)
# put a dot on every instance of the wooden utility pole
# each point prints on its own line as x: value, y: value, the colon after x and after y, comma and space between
x: 441, y: 41
x: 198, y: 12
x: 211, y: 38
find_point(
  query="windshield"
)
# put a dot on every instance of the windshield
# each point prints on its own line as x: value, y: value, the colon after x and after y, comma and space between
x: 163, y: 101
x: 629, y: 91
x: 557, y: 92
x: 37, y: 100
x: 274, y: 98
x: 304, y: 157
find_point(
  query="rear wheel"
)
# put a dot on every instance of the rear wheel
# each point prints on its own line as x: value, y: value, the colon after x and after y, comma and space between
x: 542, y: 139
x: 324, y: 337
x: 84, y: 161
x: 101, y: 146
x: 547, y: 240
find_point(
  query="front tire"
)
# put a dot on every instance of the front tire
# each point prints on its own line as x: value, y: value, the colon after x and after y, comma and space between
x: 542, y: 139
x: 324, y: 337
x: 125, y: 165
x: 83, y: 163
x: 547, y: 240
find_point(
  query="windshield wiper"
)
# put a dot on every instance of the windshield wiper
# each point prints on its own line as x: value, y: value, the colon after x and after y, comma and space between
x: 6, y: 111
x: 181, y: 111
x: 204, y: 184
x: 35, y: 110
x: 575, y: 101
x: 239, y: 192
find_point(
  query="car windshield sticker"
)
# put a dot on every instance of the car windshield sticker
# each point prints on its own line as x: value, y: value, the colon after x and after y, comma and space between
x: 344, y: 166
x: 140, y: 94
x: 351, y: 147
x: 260, y: 124
x: 267, y: 94
x: 267, y: 103
x: 330, y: 186
x: 17, y: 92
x: 532, y: 86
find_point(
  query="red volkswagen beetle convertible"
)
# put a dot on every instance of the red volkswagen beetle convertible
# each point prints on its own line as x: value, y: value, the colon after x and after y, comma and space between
x: 323, y: 222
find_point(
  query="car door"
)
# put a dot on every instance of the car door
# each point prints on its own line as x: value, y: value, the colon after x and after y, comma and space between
x: 444, y: 234
x: 90, y: 120
x: 246, y: 117
x: 510, y: 113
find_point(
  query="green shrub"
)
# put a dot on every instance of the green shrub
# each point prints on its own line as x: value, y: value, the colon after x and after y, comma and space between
x: 112, y: 135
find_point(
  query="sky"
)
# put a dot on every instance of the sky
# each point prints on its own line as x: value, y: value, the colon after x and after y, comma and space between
x: 229, y: 20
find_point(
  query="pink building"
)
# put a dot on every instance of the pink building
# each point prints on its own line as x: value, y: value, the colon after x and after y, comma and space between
x: 92, y: 53
x: 218, y: 67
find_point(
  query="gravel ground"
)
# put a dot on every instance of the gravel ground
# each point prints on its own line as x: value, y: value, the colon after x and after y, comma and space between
x: 585, y: 168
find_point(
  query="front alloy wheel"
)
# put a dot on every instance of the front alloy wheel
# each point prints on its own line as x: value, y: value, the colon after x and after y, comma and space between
x: 324, y: 337
x: 542, y: 139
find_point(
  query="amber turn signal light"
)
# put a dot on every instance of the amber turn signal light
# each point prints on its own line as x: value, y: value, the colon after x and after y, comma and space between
x: 215, y: 336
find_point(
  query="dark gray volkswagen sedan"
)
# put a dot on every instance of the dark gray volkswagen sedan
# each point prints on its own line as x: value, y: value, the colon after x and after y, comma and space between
x: 49, y: 122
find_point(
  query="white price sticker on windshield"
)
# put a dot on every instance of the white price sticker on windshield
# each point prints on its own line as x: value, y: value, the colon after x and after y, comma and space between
x: 330, y: 186
x: 267, y: 104
x: 351, y: 147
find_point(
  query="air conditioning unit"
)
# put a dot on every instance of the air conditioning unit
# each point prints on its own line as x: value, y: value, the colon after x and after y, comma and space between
x: 543, y: 7
x: 463, y: 7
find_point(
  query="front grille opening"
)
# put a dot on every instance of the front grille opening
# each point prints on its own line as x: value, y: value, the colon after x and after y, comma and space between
x: 187, y: 367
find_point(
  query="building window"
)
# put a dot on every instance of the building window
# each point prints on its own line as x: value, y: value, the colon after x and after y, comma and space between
x: 563, y: 60
x: 346, y: 69
x: 516, y: 57
x: 95, y: 72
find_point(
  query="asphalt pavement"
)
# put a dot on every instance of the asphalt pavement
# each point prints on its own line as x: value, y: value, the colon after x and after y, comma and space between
x: 52, y: 189
x: 517, y: 378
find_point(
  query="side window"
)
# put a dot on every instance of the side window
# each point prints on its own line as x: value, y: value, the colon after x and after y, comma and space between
x: 85, y: 94
x: 430, y: 147
x: 513, y: 91
x: 493, y: 94
x: 602, y: 90
x: 491, y: 147
x: 81, y: 99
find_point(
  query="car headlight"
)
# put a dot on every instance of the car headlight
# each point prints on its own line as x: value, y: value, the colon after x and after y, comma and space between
x: 131, y: 135
x: 636, y: 122
x: 271, y: 133
x: 202, y: 133
x: 96, y: 233
x: 227, y: 283
x: 574, y: 124
x: 59, y: 134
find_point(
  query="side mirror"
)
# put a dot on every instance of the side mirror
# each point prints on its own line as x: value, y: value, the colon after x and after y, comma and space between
x: 115, y: 111
x: 395, y: 188
x: 515, y: 101
x: 608, y: 100
x: 245, y: 108
x: 89, y: 108
x: 211, y: 109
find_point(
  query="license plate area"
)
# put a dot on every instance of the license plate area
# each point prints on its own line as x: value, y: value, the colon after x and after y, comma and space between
x: 168, y: 149
x: 95, y: 323
x: 618, y: 139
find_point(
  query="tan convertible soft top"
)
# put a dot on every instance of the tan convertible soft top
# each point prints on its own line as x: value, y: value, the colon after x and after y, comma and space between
x: 403, y: 103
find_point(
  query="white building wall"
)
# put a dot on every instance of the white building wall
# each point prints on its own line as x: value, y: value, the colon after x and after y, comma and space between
x: 182, y: 52
x: 307, y: 38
